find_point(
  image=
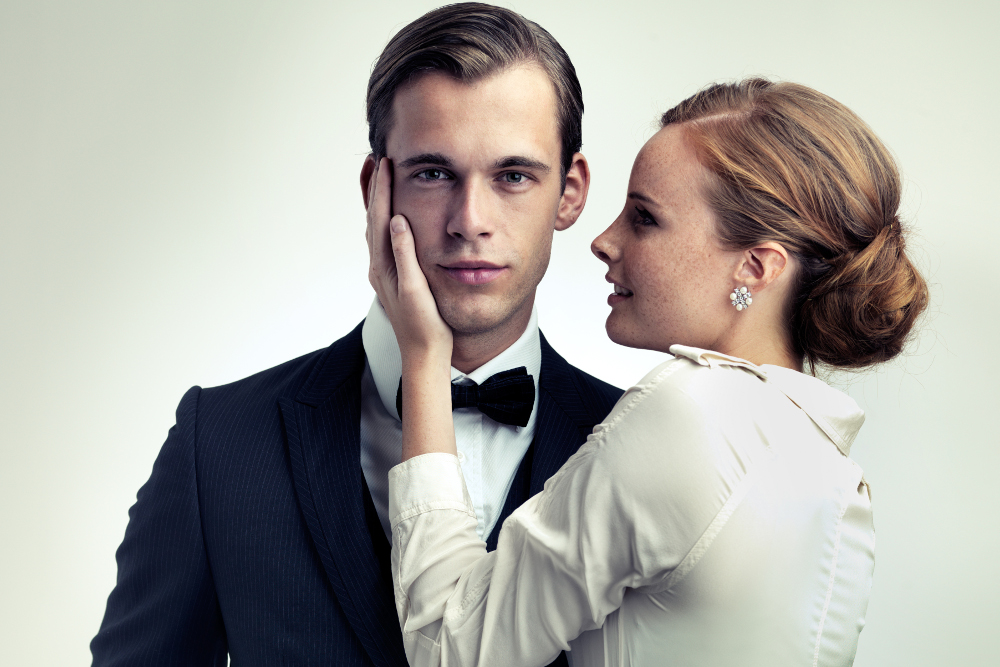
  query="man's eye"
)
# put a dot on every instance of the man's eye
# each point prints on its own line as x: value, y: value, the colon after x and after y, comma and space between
x: 514, y: 177
x: 432, y: 175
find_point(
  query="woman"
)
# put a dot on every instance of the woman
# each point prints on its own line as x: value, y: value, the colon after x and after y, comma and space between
x: 714, y: 518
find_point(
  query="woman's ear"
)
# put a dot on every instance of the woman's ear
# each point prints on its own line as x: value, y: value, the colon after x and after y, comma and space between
x: 761, y: 265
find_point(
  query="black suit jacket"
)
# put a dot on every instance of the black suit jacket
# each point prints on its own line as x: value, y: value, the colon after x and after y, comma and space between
x: 256, y: 535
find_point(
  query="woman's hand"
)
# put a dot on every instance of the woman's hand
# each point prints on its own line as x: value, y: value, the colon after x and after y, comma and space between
x: 425, y: 340
x: 396, y: 276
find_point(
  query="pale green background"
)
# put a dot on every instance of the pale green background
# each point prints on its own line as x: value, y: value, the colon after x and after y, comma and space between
x: 179, y: 205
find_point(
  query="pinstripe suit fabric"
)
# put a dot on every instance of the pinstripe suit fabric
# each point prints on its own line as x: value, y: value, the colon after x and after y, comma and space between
x: 254, y: 535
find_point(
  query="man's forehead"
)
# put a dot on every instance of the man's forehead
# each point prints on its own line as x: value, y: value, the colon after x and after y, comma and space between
x: 511, y: 116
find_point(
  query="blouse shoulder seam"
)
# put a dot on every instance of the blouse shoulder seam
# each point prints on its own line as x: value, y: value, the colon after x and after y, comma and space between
x: 640, y: 396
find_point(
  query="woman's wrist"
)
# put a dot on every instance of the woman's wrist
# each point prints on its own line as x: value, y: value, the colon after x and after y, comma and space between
x: 427, y: 423
x: 426, y: 360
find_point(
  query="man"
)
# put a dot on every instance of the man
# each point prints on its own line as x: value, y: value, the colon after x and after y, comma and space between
x: 263, y: 529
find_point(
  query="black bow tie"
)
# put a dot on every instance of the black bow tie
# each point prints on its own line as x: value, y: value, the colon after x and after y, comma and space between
x: 506, y: 397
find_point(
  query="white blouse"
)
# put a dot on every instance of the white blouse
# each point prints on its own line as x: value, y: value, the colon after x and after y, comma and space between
x: 714, y: 518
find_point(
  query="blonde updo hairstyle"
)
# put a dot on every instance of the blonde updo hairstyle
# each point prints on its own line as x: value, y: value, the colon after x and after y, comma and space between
x: 796, y: 167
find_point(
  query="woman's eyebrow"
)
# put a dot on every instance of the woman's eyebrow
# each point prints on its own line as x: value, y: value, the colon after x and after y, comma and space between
x: 641, y: 197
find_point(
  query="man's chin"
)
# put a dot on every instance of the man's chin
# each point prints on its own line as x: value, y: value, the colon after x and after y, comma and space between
x: 473, y: 323
x: 476, y: 316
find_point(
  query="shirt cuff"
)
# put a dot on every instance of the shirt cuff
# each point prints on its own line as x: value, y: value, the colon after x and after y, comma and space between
x: 427, y: 482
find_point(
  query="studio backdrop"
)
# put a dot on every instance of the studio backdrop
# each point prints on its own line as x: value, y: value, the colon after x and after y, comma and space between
x: 180, y: 205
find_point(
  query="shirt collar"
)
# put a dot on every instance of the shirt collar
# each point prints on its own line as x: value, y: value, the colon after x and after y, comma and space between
x: 386, y: 364
x: 837, y: 414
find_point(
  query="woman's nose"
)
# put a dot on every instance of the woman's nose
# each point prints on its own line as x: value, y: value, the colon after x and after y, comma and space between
x: 604, y: 246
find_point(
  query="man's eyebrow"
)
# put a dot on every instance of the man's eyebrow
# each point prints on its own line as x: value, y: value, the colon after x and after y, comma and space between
x: 426, y: 158
x: 521, y: 161
x: 642, y: 197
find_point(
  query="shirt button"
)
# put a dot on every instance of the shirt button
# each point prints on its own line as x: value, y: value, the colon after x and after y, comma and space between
x: 461, y: 457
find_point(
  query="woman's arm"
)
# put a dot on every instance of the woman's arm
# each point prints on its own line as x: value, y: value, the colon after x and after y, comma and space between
x: 622, y: 513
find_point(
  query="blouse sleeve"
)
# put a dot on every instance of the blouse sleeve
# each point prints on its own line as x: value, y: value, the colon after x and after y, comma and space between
x: 622, y: 513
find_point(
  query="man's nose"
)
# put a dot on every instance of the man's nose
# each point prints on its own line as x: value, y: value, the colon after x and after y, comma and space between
x: 605, y: 247
x: 473, y: 213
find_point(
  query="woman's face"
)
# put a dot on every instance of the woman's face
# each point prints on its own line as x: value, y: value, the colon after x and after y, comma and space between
x: 672, y: 277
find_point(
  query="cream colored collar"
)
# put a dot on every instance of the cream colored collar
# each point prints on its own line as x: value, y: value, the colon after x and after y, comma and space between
x: 836, y: 413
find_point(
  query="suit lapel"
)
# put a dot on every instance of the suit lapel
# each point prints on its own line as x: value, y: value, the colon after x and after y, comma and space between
x: 556, y: 439
x: 322, y: 425
x: 563, y: 422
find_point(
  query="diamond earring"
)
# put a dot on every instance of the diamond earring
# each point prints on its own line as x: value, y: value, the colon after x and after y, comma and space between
x: 740, y: 298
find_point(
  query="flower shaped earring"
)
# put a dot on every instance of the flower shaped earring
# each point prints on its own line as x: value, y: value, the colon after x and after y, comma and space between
x: 740, y: 297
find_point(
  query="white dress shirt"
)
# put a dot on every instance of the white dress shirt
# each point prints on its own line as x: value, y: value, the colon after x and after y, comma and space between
x: 713, y: 519
x: 489, y: 452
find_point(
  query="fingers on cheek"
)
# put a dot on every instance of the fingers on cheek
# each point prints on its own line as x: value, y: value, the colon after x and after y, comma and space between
x: 403, y: 252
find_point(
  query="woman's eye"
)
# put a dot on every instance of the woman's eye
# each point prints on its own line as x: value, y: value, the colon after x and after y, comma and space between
x: 643, y: 217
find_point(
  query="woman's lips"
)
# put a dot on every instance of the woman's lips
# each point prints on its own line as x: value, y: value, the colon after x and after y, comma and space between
x: 469, y: 273
x: 620, y: 293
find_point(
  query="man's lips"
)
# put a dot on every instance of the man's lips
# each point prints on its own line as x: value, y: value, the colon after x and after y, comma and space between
x: 473, y: 272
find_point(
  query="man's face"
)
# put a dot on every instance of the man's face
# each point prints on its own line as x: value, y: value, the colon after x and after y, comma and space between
x: 476, y: 171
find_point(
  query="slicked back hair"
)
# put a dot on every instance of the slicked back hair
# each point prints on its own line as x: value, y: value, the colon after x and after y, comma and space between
x: 472, y: 41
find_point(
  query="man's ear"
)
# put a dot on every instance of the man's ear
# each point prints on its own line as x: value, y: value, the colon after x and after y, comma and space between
x: 761, y: 265
x: 367, y: 173
x: 574, y: 195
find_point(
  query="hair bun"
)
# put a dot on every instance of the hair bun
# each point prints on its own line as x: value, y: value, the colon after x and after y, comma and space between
x: 861, y: 311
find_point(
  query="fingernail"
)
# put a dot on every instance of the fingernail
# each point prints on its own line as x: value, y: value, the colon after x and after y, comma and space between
x: 398, y: 224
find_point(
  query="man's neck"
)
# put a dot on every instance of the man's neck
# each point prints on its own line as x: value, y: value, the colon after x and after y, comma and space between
x: 470, y: 351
